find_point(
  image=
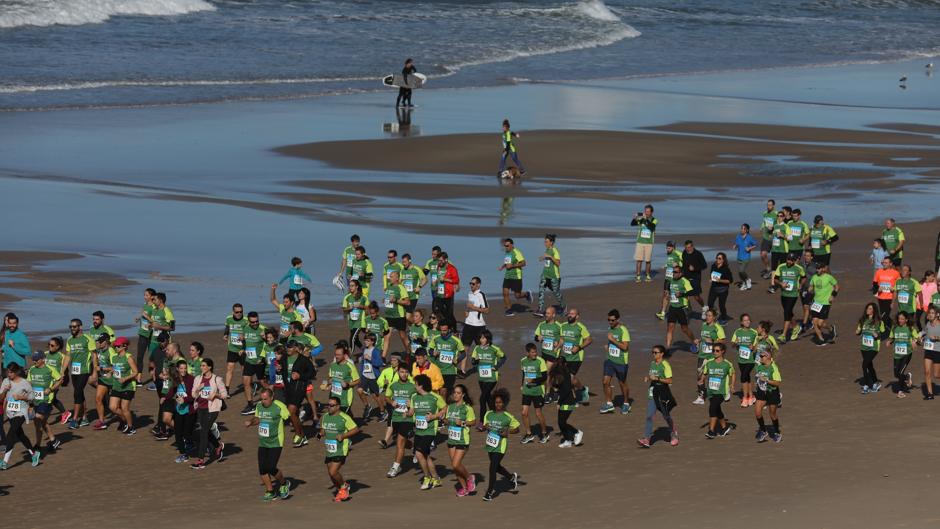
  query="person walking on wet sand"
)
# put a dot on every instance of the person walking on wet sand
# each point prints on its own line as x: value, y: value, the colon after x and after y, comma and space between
x: 509, y: 150
x: 404, y: 94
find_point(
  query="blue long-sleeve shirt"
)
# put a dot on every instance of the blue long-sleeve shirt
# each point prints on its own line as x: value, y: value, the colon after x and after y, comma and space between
x: 744, y: 242
x: 296, y: 276
x: 20, y: 350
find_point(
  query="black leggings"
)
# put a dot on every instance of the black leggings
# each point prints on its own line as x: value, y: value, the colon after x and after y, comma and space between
x: 496, y: 467
x: 78, y: 390
x: 15, y: 433
x: 143, y: 347
x: 183, y: 429
x: 205, y: 436
x: 745, y: 372
x: 884, y: 309
x: 486, y: 392
x: 868, y: 368
x: 900, y: 367
x: 567, y: 431
x: 714, y: 406
x: 722, y: 298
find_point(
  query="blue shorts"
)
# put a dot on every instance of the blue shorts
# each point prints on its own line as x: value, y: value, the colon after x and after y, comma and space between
x: 616, y: 370
x: 44, y: 409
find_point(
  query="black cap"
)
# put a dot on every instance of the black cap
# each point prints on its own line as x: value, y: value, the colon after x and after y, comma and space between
x: 103, y: 337
x: 817, y: 218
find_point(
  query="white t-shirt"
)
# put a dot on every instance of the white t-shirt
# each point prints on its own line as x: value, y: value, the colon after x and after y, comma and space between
x: 475, y: 318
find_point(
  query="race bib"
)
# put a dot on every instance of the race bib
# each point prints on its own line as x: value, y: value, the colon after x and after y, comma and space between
x: 389, y: 304
x: 388, y: 273
x: 116, y: 372
x: 493, y: 439
x: 440, y: 289
x: 796, y: 231
x: 929, y: 345
x: 768, y: 223
x: 507, y: 260
x: 336, y: 387
x: 421, y: 423
x: 454, y: 433
x: 816, y: 307
x: 39, y: 393
x: 446, y: 357
x: 415, y: 346
x: 884, y: 286
x: 279, y: 379
x: 868, y: 341
x: 367, y: 368
x: 788, y: 285
x: 714, y: 383
x: 904, y: 297
x: 815, y: 243
x: 568, y: 348
x: 901, y: 349
x: 15, y: 406
x: 650, y: 394
x: 762, y: 383
x: 613, y: 350
x: 332, y: 446
x: 251, y: 353
x: 409, y: 286
x: 716, y: 276
x: 548, y: 344
x: 673, y: 298
x: 235, y: 339
x: 76, y: 368
x: 354, y: 276
x: 401, y: 405
x: 349, y: 260
x: 355, y: 314
x: 530, y: 375
x: 486, y: 371
x: 285, y: 327
x: 298, y: 280
x: 144, y: 325
x: 548, y: 263
x: 744, y: 352
x: 645, y: 233
x: 264, y: 429
x: 205, y: 392
x: 777, y: 242
x: 707, y: 348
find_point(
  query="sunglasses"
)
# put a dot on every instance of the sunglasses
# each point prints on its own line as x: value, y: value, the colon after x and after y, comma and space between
x: 333, y: 405
x: 611, y: 320
x: 237, y: 312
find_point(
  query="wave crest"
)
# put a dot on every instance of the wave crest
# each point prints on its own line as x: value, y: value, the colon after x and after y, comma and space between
x: 17, y: 13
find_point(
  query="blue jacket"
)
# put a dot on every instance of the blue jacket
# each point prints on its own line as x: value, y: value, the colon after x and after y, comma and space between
x: 20, y: 350
x: 296, y: 276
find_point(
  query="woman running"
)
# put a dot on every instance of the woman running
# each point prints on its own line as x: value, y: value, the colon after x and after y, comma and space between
x: 459, y: 417
x: 208, y: 392
x: 768, y: 394
x: 902, y: 338
x: 745, y: 339
x: 931, y: 341
x: 16, y: 394
x: 500, y: 424
x: 181, y: 405
x: 417, y: 332
x: 870, y: 328
x: 712, y: 333
x: 44, y: 380
x: 123, y: 385
x: 488, y: 358
x: 721, y: 279
x: 718, y: 378
x: 659, y: 397
x: 566, y: 386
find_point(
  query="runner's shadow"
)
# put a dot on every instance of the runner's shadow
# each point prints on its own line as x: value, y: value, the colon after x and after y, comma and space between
x: 662, y: 433
x: 356, y: 486
x: 5, y: 490
x: 143, y: 421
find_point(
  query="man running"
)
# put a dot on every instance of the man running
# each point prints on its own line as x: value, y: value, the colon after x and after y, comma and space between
x: 824, y: 288
x: 254, y: 359
x: 513, y: 263
x: 509, y: 150
x: 791, y: 278
x: 98, y: 327
x: 336, y: 429
x: 821, y: 238
x: 445, y: 350
x: 79, y: 349
x: 693, y: 263
x: 343, y: 377
x: 646, y: 223
x: 534, y: 376
x: 399, y: 394
x: 617, y: 363
x: 234, y: 337
x: 883, y: 288
x: 548, y: 336
x: 269, y: 416
x: 143, y: 331
x: 413, y: 279
x: 575, y: 338
x: 395, y: 302
x: 893, y: 237
x: 347, y: 258
x: 768, y: 218
x: 473, y: 324
x: 677, y: 289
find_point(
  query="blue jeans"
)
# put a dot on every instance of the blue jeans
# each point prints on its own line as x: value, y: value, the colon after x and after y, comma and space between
x: 515, y: 160
x: 650, y: 413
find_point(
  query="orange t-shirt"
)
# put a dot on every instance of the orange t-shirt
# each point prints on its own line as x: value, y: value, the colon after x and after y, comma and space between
x: 885, y: 280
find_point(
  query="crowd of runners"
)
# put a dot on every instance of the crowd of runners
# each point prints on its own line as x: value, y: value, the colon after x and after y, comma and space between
x: 405, y: 369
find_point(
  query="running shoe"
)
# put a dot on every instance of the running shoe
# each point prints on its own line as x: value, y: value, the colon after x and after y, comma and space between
x: 771, y: 290
x: 710, y: 435
x: 637, y: 280
x: 84, y: 422
x: 606, y: 408
x: 578, y: 437
x: 100, y: 425
x: 743, y: 287
x: 761, y: 436
x: 383, y: 417
x: 394, y: 471
x: 835, y: 333
x: 539, y: 314
x: 55, y: 444
x: 674, y: 439
x: 928, y: 396
x: 435, y: 482
x: 489, y: 495
x: 565, y: 444
x: 151, y: 387
x: 585, y: 395
x: 727, y: 430
x: 795, y: 334
x: 644, y: 443
x: 777, y: 437
x: 744, y: 402
x: 528, y: 439
x: 298, y: 441
x: 781, y: 337
x: 865, y: 390
x: 342, y: 494
x: 163, y: 436
x: 249, y: 409
x: 269, y: 496
x: 123, y: 428
x: 909, y: 379
x: 749, y: 284
x: 528, y: 296
x: 220, y: 451
x: 648, y: 279
x: 64, y: 418
x: 819, y: 343
x: 876, y: 387
x: 155, y: 430
x: 130, y: 431
x: 284, y: 490
x: 661, y: 315
x: 3, y: 465
x: 625, y: 409
x: 182, y: 458
x: 35, y: 458
x: 426, y: 483
x: 366, y: 413
x: 699, y: 401
x: 198, y: 465
x: 545, y: 438
x: 461, y: 492
x: 382, y: 444
x: 509, y: 313
x: 515, y: 481
x: 902, y: 395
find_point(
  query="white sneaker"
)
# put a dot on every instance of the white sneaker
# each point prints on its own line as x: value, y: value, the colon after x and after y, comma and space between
x: 699, y: 400
x: 749, y: 285
x: 394, y: 471
x: 578, y: 437
x: 565, y: 444
x: 743, y: 286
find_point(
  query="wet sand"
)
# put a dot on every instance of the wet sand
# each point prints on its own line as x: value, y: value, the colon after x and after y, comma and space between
x: 20, y: 271
x: 839, y: 447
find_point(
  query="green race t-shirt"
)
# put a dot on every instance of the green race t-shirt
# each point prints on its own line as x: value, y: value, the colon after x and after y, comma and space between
x: 400, y: 394
x: 377, y: 326
x: 717, y: 376
x: 549, y: 334
x: 673, y: 259
x: 342, y: 373
x: 573, y: 335
x: 646, y: 230
x: 355, y: 318
x: 746, y: 340
x: 798, y: 230
x: 426, y: 406
x: 417, y: 336
x: 488, y: 358
x: 710, y: 335
x: 271, y: 424
x: 333, y: 426
x: 121, y: 365
x: 444, y: 353
x: 550, y: 269
x: 780, y: 235
x: 254, y: 344
x: 614, y: 353
x: 768, y: 218
x: 411, y: 279
x: 903, y: 339
x: 907, y: 291
x: 823, y: 285
x: 893, y: 238
x: 42, y: 379
x: 235, y: 328
x: 459, y: 418
x: 387, y: 270
x: 790, y: 277
x: 497, y: 424
x: 161, y: 317
x: 79, y: 349
x: 513, y: 257
x: 661, y: 370
x: 819, y: 238
x: 763, y: 373
x: 531, y: 371
x: 678, y: 287
x: 871, y: 331
x: 393, y: 294
x: 143, y: 328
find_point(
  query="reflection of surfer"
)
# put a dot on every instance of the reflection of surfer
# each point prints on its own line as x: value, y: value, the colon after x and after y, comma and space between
x: 505, y: 210
x: 404, y: 94
x: 509, y: 150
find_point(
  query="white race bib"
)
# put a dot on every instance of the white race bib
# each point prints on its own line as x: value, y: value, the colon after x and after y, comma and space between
x: 904, y: 297
x: 707, y: 348
x: 264, y: 429
x: 332, y: 446
x: 39, y: 393
x: 76, y: 368
x: 548, y: 344
x: 744, y: 352
x: 440, y: 289
x: 409, y: 286
x: 645, y: 233
x: 716, y: 276
x: 868, y: 341
x: 349, y: 260
x: 884, y: 286
x: 486, y: 371
x: 455, y: 433
x: 389, y: 304
x: 507, y: 260
x: 367, y: 368
x: 796, y: 231
x: 355, y: 315
x: 421, y: 423
x: 567, y: 348
x: 235, y: 339
x: 673, y: 298
x: 493, y: 439
x: 401, y: 405
x: 446, y: 357
x: 816, y: 307
x: 815, y: 243
x: 15, y: 406
x: 336, y: 387
x: 788, y: 284
x: 251, y: 353
x: 714, y: 383
x: 298, y: 280
x: 929, y: 345
x: 901, y: 349
x: 613, y: 350
x: 205, y: 392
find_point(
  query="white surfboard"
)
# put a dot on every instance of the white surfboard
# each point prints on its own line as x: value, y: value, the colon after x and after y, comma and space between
x: 415, y: 80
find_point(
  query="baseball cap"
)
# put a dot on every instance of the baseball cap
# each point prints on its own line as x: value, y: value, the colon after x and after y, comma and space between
x: 103, y: 337
x: 817, y: 218
x: 121, y: 341
x: 670, y: 244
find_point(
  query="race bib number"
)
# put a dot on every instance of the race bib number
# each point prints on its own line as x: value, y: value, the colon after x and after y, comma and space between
x: 613, y: 350
x: 144, y: 325
x: 401, y: 405
x: 901, y: 349
x: 816, y: 307
x: 349, y: 260
x: 235, y: 339
x: 777, y: 242
x: 409, y: 286
x: 796, y: 231
x: 716, y: 276
x: 707, y: 348
x: 884, y: 286
x: 486, y: 371
x: 650, y: 393
x: 904, y: 297
x: 788, y: 285
x: 493, y: 439
x: 507, y: 260
x: 389, y: 304
x: 530, y: 375
x: 355, y: 314
x: 336, y: 387
x: 768, y: 223
x: 421, y: 423
x: 744, y: 352
x: 454, y: 433
x: 548, y: 263
x: 762, y: 383
x: 285, y: 327
x: 548, y: 344
x: 279, y: 379
x: 39, y: 393
x: 673, y: 298
x: 205, y: 392
x: 116, y: 372
x: 15, y: 406
x: 415, y: 346
x: 388, y: 273
x: 367, y: 368
x: 714, y: 383
x: 251, y: 353
x: 440, y: 289
x: 567, y: 348
x: 930, y: 345
x: 868, y: 341
x: 264, y: 429
x: 815, y: 243
x: 645, y: 233
x: 299, y: 281
x: 76, y: 368
x: 332, y: 446
x: 446, y: 357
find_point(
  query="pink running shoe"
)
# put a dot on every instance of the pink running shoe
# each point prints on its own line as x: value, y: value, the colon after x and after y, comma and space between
x: 674, y: 439
x: 65, y: 417
x: 461, y: 492
x: 472, y: 484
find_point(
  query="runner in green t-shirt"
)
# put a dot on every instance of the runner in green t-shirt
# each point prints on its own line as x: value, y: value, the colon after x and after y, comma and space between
x: 617, y: 363
x: 791, y: 278
x: 513, y: 263
x: 123, y: 385
x: 234, y: 337
x: 870, y: 328
x: 717, y: 375
x: 418, y: 332
x: 354, y: 309
x: 824, y: 289
x: 269, y: 416
x: 336, y: 428
x: 161, y: 320
x: 676, y: 290
x: 399, y: 395
x: 821, y: 237
x: 391, y: 266
x: 254, y: 359
x: 901, y: 339
x: 893, y: 237
x: 361, y: 270
x: 445, y: 350
x: 413, y: 279
x: 287, y: 311
x: 488, y: 358
x: 426, y: 407
x: 659, y: 397
x: 396, y: 301
x: 499, y: 424
x: 745, y: 339
x: 551, y: 275
x: 768, y: 393
x: 673, y: 260
x: 548, y: 336
x: 711, y: 334
x: 799, y: 232
x: 768, y: 218
x: 907, y: 290
x: 101, y: 378
x: 534, y: 375
x: 377, y: 325
x: 347, y: 258
x: 78, y: 359
x: 343, y: 378
x: 45, y: 380
x: 458, y: 418
x: 779, y: 242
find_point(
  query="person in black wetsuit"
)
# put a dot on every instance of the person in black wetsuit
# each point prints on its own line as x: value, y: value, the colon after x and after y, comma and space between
x: 404, y: 94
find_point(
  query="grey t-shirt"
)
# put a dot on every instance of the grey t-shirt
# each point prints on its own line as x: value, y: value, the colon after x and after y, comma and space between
x: 932, y: 336
x: 12, y: 406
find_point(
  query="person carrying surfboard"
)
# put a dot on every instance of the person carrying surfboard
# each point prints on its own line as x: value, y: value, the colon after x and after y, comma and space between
x: 404, y: 93
x: 509, y: 150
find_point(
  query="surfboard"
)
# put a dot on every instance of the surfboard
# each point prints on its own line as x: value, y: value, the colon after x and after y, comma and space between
x: 415, y: 80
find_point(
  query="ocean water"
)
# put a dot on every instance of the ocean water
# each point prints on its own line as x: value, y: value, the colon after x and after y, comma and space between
x: 81, y: 53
